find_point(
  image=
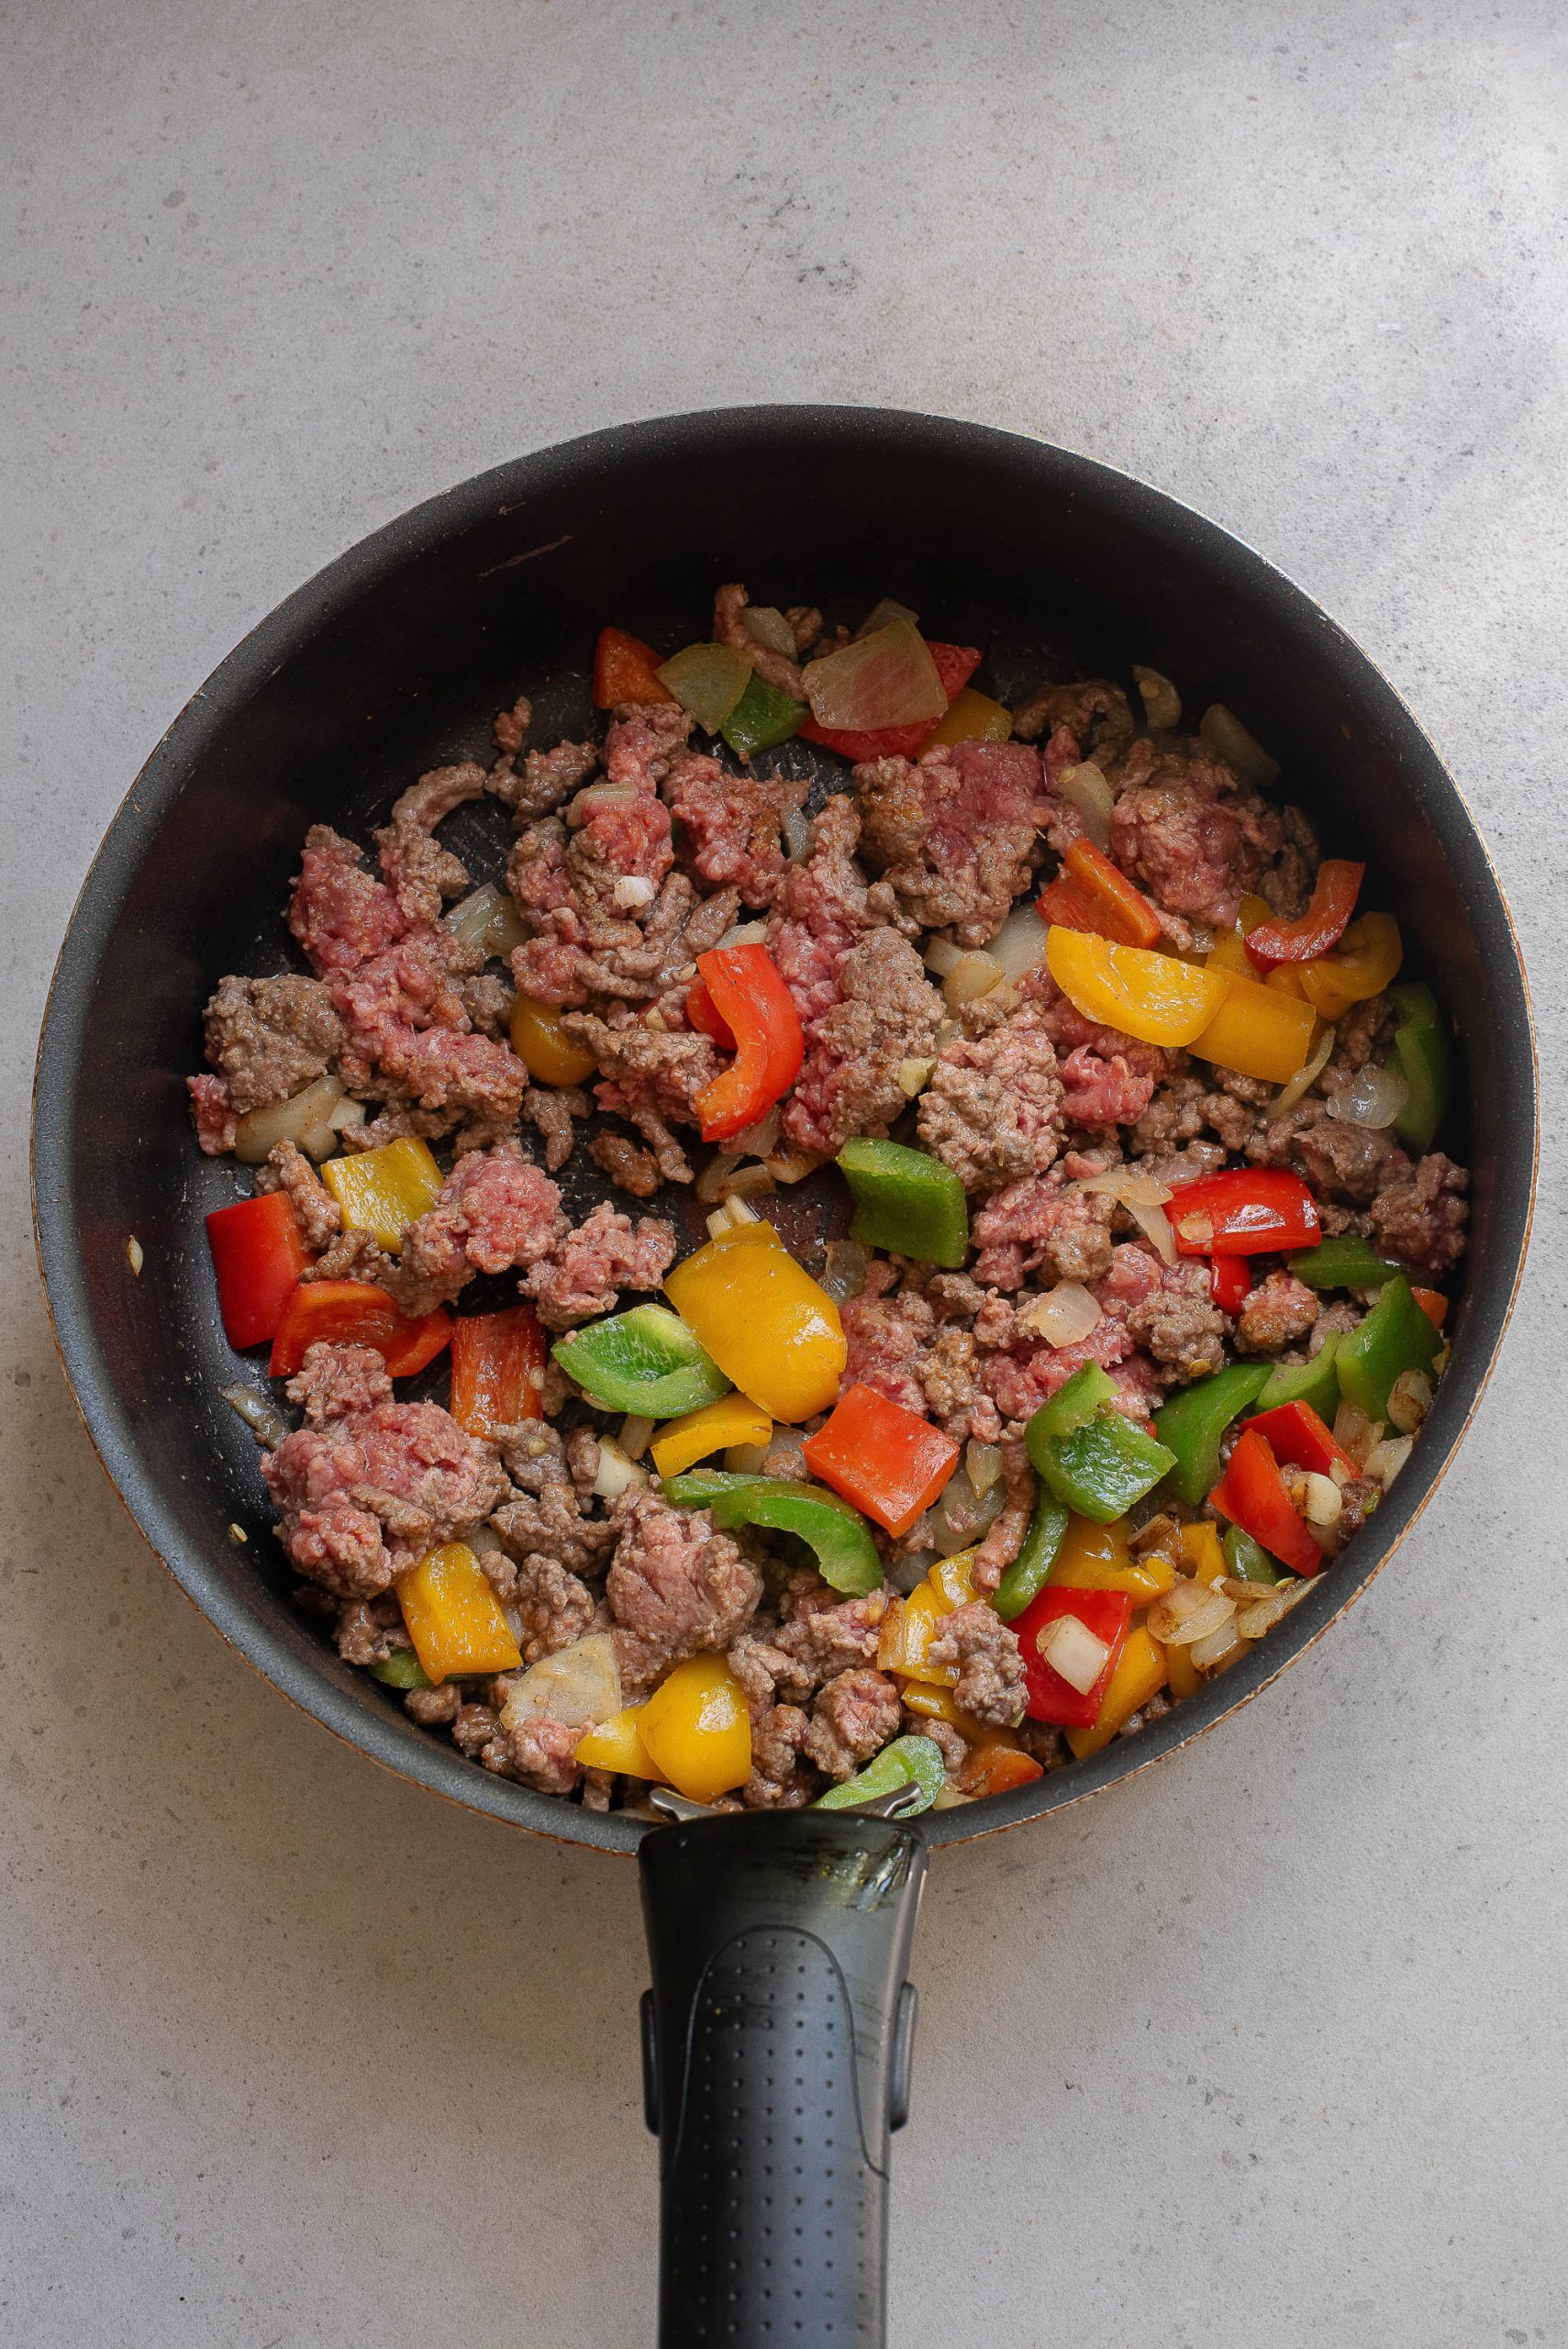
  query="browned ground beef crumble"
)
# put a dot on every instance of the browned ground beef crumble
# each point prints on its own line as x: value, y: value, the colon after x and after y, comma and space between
x: 630, y: 857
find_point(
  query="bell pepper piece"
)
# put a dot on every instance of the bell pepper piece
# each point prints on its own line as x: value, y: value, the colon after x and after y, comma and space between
x: 453, y: 1617
x: 762, y: 719
x: 906, y: 1201
x: 1061, y: 905
x: 1181, y: 1676
x: 1426, y: 1063
x: 939, y: 1705
x: 955, y: 664
x: 774, y: 1333
x: 1092, y: 1457
x: 383, y: 1191
x: 646, y: 1360
x: 703, y: 1014
x: 625, y: 669
x: 1201, y: 1549
x: 1192, y: 1422
x: 1257, y: 1031
x: 1316, y: 1382
x: 1029, y: 1569
x: 1247, y: 1560
x: 543, y: 1046
x: 355, y: 1313
x: 617, y: 1744
x: 696, y: 1728
x: 994, y: 1768
x: 257, y: 1255
x: 1156, y: 997
x: 1251, y: 1494
x: 1229, y: 952
x: 972, y: 717
x: 1334, y: 894
x: 750, y: 997
x: 1123, y: 912
x: 497, y: 1370
x: 888, y: 1461
x: 838, y: 1537
x: 401, y: 1669
x: 1247, y: 1211
x: 1395, y: 1336
x: 1367, y: 958
x: 1344, y: 1261
x: 1105, y: 1613
x: 1433, y: 1303
x: 1097, y: 1557
x: 1229, y: 1282
x: 1140, y: 1673
x: 734, y: 1419
x: 1298, y: 1438
x: 910, y: 1761
x: 708, y: 680
x: 910, y: 1624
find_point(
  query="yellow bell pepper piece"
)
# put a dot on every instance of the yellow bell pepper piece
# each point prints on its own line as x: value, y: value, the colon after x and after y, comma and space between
x: 1258, y: 1031
x: 764, y: 1320
x: 1156, y: 997
x: 1287, y: 980
x: 1140, y: 1673
x: 732, y: 1419
x: 383, y: 1191
x: 1201, y: 1549
x: 617, y: 1744
x: 1096, y: 1557
x: 910, y: 1624
x: 1229, y: 952
x: 936, y: 1705
x: 972, y: 717
x: 453, y: 1617
x: 696, y: 1729
x: 1366, y: 958
x: 949, y: 1578
x: 543, y: 1045
x: 1183, y: 1676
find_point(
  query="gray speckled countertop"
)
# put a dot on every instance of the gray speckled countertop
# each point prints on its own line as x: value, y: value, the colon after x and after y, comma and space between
x: 1267, y: 2045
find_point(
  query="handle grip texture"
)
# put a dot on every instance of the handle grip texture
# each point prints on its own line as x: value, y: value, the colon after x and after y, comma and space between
x: 776, y: 2047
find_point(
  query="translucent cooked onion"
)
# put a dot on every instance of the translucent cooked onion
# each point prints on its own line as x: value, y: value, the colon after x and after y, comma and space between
x: 726, y: 1217
x: 943, y: 957
x: 1409, y: 1400
x: 746, y: 1459
x: 1374, y: 1096
x: 767, y: 625
x: 914, y: 1075
x: 844, y: 1269
x: 259, y: 1413
x: 983, y: 1462
x: 971, y: 976
x: 1155, y: 1226
x: 469, y: 919
x: 963, y: 1515
x: 708, y: 680
x: 634, y: 890
x: 1072, y: 1649
x: 578, y: 1685
x: 1263, y: 1612
x: 887, y: 609
x: 1162, y: 701
x: 1354, y: 1432
x: 636, y: 1434
x: 758, y: 1141
x: 1385, y: 1460
x: 616, y: 1472
x: 1224, y: 733
x: 748, y: 1182
x: 1086, y: 788
x: 1188, y: 1612
x: 1063, y: 1315
x: 796, y: 834
x: 793, y: 1165
x: 708, y: 1188
x: 506, y: 932
x: 887, y: 678
x: 907, y: 1573
x: 1305, y: 1076
x: 1019, y: 944
x: 744, y: 933
x: 1322, y: 1499
x: 1131, y: 1185
x: 1218, y: 1648
x: 597, y: 794
x: 260, y: 1130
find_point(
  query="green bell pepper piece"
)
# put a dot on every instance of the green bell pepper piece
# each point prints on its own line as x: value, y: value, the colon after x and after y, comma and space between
x: 837, y: 1535
x: 1025, y: 1576
x: 1094, y: 1459
x: 1194, y: 1418
x: 1248, y: 1560
x: 762, y: 719
x: 907, y: 1762
x: 1346, y: 1261
x: 906, y: 1201
x: 646, y: 1362
x: 1395, y: 1336
x: 1422, y: 1049
x: 1316, y: 1382
x: 401, y: 1669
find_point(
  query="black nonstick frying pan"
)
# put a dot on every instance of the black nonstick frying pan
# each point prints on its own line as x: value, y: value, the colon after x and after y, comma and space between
x: 778, y: 2032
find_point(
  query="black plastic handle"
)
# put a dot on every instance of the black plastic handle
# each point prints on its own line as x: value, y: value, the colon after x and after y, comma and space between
x: 776, y: 2045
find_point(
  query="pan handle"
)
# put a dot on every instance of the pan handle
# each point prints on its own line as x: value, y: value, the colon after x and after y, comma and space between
x: 776, y: 2042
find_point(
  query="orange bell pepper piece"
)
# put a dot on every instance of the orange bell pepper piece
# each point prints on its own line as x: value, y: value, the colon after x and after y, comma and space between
x: 888, y: 1461
x: 625, y: 669
x: 453, y: 1617
x: 1125, y: 912
x: 1433, y: 1303
x: 1365, y: 962
x: 356, y: 1313
x: 1334, y: 894
x: 972, y: 717
x: 497, y: 1370
x: 750, y: 997
x: 994, y: 1768
x: 696, y: 1728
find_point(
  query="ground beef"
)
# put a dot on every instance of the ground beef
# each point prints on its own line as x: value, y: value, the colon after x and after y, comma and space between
x: 1277, y: 1312
x: 1045, y: 1226
x: 887, y: 1330
x: 992, y: 1110
x: 1091, y: 709
x: 340, y: 912
x: 337, y: 1381
x: 213, y: 1114
x: 956, y: 834
x: 948, y: 1379
x: 316, y: 1211
x: 555, y: 1606
x: 629, y: 1167
x: 1025, y: 1373
x: 1186, y: 1106
x: 547, y: 776
x: 1005, y: 1538
x: 826, y: 1636
x: 854, y: 1719
x: 651, y: 1077
x: 407, y: 1028
x: 1420, y: 1214
x: 775, y: 669
x: 434, y: 1708
x: 267, y: 1039
x: 585, y: 1269
x: 674, y: 1583
x: 730, y: 826
x: 553, y: 1109
x: 1344, y: 1159
x: 370, y: 1630
x: 419, y: 872
x: 778, y: 1780
x: 548, y: 1515
x: 538, y: 1753
x: 990, y: 1682
x: 886, y: 1013
x: 1191, y: 833
x: 1108, y: 1078
x: 1175, y: 1319
x: 496, y: 1212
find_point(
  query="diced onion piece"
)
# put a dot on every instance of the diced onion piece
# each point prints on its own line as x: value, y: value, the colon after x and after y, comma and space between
x: 746, y: 1459
x: 887, y: 678
x: 1409, y: 1400
x: 963, y: 1515
x: 1224, y: 732
x: 796, y: 834
x: 759, y: 1140
x: 347, y: 1115
x: 744, y: 933
x: 1072, y: 1649
x: 1188, y: 1612
x: 725, y: 1219
x: 1218, y: 1648
x: 1374, y: 1096
x: 616, y: 1472
x: 1155, y: 1226
x: 320, y: 1142
x: 636, y: 1434
x: 708, y: 680
x: 914, y: 1075
x: 597, y: 794
x: 259, y: 1413
x: 469, y: 919
x: 943, y: 957
x: 1020, y: 945
x: 1305, y: 1076
x: 1162, y: 701
x: 708, y: 1188
x: 1063, y: 1315
x: 506, y: 932
x: 907, y: 1573
x: 634, y: 890
x: 844, y: 1269
x: 767, y: 625
x: 948, y: 1799
x: 260, y: 1130
x: 749, y: 1182
x: 983, y: 1462
x: 971, y: 976
x: 1086, y: 788
x: 1354, y: 1432
x: 793, y: 1165
x: 1131, y: 1185
x: 1322, y: 1499
x: 1385, y: 1460
x: 578, y: 1685
x: 787, y: 1455
x: 1266, y: 1608
x: 134, y: 1256
x: 886, y: 608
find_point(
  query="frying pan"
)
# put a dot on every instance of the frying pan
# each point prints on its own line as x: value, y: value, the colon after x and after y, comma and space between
x: 777, y: 2034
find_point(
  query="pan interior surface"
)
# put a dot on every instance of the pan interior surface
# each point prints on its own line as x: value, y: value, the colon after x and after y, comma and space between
x: 395, y: 659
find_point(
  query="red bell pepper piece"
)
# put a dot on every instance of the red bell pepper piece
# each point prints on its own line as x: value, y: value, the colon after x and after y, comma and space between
x: 1433, y: 1303
x: 702, y: 1013
x: 888, y: 1461
x: 1250, y: 1211
x: 751, y: 999
x: 954, y: 663
x: 1251, y: 1494
x: 1296, y: 1435
x: 1229, y: 1282
x: 997, y: 1769
x: 1334, y: 894
x: 258, y: 1253
x: 625, y: 669
x: 1063, y: 905
x: 356, y: 1313
x: 1107, y: 1613
x: 497, y: 1370
x: 1120, y: 911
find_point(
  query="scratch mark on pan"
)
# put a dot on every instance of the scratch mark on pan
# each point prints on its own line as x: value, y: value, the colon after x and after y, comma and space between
x: 513, y: 559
